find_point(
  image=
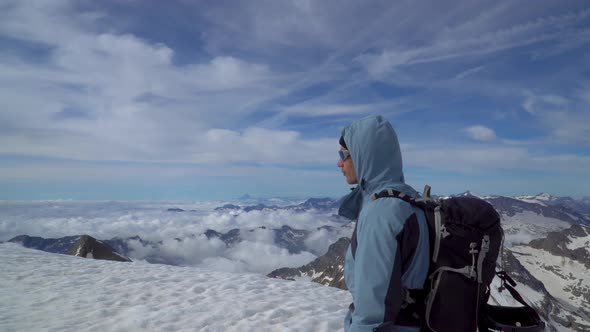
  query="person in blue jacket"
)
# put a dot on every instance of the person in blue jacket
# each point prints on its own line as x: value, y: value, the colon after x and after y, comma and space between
x: 389, y: 249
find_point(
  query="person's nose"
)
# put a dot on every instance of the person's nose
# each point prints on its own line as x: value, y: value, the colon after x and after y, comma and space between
x: 340, y: 163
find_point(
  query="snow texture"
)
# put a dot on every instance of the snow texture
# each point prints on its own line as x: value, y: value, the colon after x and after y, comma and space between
x: 540, y: 199
x: 562, y: 276
x: 579, y: 242
x: 527, y: 225
x: 49, y: 292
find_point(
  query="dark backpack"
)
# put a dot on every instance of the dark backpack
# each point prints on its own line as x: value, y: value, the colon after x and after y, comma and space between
x: 465, y: 240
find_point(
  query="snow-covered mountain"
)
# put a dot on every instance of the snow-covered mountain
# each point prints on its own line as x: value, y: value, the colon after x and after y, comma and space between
x: 581, y: 205
x: 43, y: 291
x: 542, y: 198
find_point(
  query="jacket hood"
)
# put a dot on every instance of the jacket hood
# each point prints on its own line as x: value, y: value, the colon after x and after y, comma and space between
x: 375, y: 152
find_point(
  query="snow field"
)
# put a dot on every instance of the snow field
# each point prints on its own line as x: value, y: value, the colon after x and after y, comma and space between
x: 579, y: 242
x: 49, y: 292
x: 527, y: 225
x: 560, y: 275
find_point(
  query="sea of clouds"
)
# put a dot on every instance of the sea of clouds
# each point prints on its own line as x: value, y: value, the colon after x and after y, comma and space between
x: 180, y: 236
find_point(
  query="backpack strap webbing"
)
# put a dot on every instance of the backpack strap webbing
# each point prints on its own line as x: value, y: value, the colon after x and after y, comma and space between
x: 509, y: 284
x: 395, y: 194
x: 422, y: 203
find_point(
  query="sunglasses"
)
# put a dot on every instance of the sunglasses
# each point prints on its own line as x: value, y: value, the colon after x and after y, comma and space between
x: 344, y: 154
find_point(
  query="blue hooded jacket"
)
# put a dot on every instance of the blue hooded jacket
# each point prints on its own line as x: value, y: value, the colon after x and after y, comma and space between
x: 377, y: 266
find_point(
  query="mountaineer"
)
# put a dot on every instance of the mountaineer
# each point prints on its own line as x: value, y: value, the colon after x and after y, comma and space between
x: 389, y: 249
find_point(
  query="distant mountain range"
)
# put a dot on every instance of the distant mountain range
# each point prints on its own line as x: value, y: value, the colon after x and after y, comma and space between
x: 312, y: 203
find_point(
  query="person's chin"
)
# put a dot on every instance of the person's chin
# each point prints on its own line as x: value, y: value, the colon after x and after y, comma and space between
x: 351, y: 181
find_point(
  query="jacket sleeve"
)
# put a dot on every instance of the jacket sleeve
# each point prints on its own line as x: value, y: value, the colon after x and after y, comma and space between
x: 377, y: 269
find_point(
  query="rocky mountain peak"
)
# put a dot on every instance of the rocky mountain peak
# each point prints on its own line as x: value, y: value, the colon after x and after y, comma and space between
x: 89, y: 247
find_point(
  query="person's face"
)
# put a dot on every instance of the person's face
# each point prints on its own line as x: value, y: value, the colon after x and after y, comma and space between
x: 347, y: 168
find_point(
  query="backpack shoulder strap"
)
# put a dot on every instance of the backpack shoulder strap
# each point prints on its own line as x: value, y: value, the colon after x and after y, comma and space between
x: 395, y: 194
x: 419, y: 202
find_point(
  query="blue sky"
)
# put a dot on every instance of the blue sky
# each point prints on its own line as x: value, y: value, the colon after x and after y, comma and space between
x: 133, y: 100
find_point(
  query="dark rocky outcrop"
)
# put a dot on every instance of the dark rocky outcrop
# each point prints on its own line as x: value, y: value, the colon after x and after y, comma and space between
x: 227, y: 207
x: 285, y: 237
x: 89, y: 247
x: 579, y: 205
x: 327, y: 269
x: 556, y: 244
x: 291, y: 239
x: 79, y: 245
x: 230, y: 238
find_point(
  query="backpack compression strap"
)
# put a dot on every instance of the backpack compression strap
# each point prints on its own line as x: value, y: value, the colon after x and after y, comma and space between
x: 509, y: 284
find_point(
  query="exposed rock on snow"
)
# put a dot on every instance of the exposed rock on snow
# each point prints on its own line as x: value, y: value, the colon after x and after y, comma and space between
x: 573, y: 243
x: 89, y: 247
x: 326, y: 270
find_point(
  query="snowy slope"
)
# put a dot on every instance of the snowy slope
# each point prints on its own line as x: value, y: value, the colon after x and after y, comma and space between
x: 542, y: 198
x: 522, y: 227
x: 566, y: 279
x: 42, y: 291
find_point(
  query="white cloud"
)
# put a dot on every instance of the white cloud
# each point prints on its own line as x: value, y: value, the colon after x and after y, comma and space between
x: 481, y: 133
x: 566, y: 119
x: 319, y: 241
x: 179, y: 236
x: 536, y: 104
x: 264, y: 258
x: 584, y: 93
x: 262, y: 145
x: 469, y: 72
x: 481, y: 159
x: 327, y: 110
x: 137, y: 104
x: 570, y: 127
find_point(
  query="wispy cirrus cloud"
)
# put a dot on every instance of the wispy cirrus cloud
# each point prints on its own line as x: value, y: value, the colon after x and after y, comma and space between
x: 477, y: 37
x: 565, y: 118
